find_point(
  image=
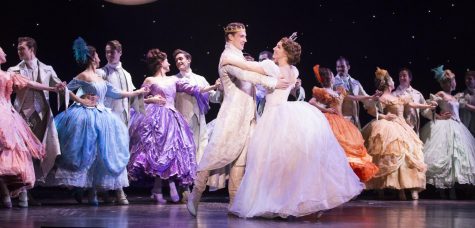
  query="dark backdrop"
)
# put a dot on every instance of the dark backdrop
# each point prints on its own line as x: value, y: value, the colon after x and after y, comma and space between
x: 390, y: 34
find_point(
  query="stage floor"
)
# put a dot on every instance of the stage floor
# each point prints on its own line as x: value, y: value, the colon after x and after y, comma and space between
x: 143, y: 213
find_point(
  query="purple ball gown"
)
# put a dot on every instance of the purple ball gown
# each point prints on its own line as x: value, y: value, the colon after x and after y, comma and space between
x: 161, y: 141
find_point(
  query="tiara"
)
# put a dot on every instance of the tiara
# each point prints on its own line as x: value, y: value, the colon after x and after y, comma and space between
x: 234, y: 28
x: 293, y: 36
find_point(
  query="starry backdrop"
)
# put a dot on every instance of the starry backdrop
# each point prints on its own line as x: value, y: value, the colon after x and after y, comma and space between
x: 390, y: 34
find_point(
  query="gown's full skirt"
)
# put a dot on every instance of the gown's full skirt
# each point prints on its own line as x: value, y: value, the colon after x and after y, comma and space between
x: 94, y: 145
x: 397, y: 151
x: 352, y: 141
x: 161, y: 143
x: 295, y: 165
x: 449, y: 152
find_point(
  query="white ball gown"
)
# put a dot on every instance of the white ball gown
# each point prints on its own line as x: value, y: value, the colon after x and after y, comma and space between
x: 295, y: 166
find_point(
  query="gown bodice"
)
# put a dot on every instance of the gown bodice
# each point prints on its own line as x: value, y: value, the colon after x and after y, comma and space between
x: 451, y: 106
x: 278, y: 96
x: 99, y: 88
x: 395, y: 106
x: 169, y: 87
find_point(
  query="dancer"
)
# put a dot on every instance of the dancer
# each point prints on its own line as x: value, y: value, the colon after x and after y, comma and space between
x: 412, y: 115
x: 94, y: 141
x: 117, y: 76
x: 187, y: 104
x: 161, y: 141
x: 468, y: 97
x: 350, y: 108
x: 395, y: 147
x: 34, y: 106
x: 449, y: 149
x: 298, y: 176
x: 235, y: 120
x: 18, y: 143
x: 346, y: 132
x: 298, y: 92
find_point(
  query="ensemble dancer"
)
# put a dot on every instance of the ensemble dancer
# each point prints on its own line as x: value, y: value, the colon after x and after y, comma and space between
x: 34, y: 107
x: 347, y: 133
x: 395, y: 147
x: 412, y: 115
x: 449, y: 147
x: 187, y: 104
x: 295, y: 177
x: 260, y: 90
x: 468, y: 96
x: 161, y: 141
x: 298, y: 92
x: 235, y: 121
x: 18, y: 144
x: 350, y: 108
x: 94, y: 141
x: 118, y: 77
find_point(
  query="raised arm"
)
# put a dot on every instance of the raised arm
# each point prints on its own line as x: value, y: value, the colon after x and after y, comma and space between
x: 245, y: 65
x: 249, y: 76
x: 421, y: 106
x: 373, y: 97
x: 118, y: 94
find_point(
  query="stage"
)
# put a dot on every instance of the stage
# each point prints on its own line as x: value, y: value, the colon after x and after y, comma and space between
x: 142, y: 212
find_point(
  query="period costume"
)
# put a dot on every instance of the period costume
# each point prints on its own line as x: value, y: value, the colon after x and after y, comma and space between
x: 412, y: 115
x: 18, y: 144
x: 188, y: 106
x: 94, y: 142
x: 293, y: 176
x: 396, y: 150
x: 34, y: 107
x: 449, y: 148
x: 234, y: 125
x: 347, y: 133
x: 350, y: 109
x: 116, y: 75
x: 161, y: 141
x: 466, y: 116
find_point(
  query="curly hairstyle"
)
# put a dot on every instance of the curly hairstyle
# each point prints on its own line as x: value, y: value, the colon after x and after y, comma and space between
x: 154, y: 59
x: 382, y: 79
x: 292, y: 49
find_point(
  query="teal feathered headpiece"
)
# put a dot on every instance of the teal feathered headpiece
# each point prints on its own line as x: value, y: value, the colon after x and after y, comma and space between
x: 81, y: 52
x: 441, y: 74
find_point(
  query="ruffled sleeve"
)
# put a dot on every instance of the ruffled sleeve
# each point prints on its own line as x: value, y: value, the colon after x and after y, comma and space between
x: 183, y: 85
x: 406, y: 99
x: 435, y: 98
x: 18, y: 81
x: 342, y: 91
x: 270, y: 68
x: 74, y: 84
x: 113, y: 92
x: 322, y: 95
